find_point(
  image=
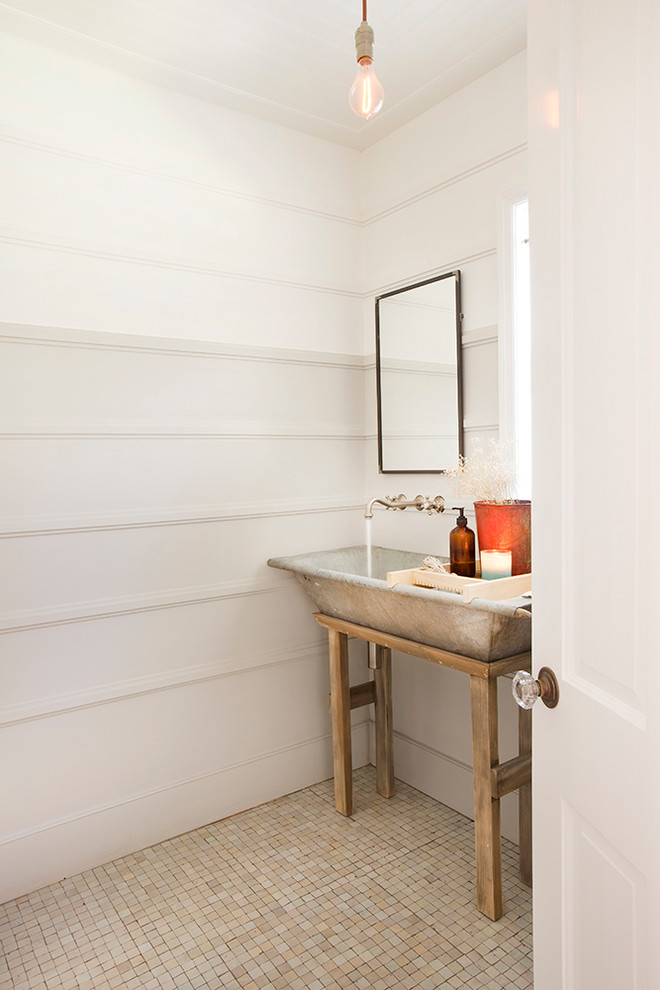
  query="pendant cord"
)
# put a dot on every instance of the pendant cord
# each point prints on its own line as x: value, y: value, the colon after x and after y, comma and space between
x: 364, y: 10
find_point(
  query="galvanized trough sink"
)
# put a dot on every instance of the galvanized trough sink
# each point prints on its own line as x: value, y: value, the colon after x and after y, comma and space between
x: 342, y: 583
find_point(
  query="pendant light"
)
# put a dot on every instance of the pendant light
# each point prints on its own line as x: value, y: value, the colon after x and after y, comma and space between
x: 366, y: 95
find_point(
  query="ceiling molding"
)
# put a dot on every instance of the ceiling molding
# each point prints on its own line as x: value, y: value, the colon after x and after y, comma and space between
x: 426, y: 52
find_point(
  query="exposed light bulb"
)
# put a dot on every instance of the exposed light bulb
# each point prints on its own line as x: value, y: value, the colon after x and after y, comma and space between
x: 366, y: 94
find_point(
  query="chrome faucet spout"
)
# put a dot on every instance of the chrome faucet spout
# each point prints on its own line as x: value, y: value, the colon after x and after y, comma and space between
x: 369, y: 510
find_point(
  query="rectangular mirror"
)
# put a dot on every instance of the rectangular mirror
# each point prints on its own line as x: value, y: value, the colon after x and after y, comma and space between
x: 418, y: 377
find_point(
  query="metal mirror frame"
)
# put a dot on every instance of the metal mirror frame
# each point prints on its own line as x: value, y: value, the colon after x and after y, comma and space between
x: 456, y: 275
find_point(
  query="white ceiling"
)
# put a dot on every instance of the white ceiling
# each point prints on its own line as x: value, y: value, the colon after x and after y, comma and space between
x: 291, y: 61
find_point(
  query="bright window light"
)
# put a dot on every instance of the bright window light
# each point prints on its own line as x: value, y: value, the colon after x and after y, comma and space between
x: 521, y: 340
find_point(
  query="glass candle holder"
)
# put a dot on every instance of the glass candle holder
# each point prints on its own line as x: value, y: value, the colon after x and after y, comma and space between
x: 495, y: 564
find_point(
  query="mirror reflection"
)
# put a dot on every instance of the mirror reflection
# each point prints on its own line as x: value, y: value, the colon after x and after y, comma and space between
x: 418, y: 376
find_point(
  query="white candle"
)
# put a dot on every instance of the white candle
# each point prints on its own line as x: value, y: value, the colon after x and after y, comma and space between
x: 495, y: 564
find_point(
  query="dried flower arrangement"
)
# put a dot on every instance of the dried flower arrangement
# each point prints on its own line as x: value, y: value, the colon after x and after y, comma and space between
x: 487, y: 475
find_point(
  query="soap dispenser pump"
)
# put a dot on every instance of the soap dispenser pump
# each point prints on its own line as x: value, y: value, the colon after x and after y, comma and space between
x: 461, y: 547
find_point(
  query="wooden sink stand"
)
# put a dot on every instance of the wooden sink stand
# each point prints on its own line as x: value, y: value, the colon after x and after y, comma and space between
x: 492, y: 779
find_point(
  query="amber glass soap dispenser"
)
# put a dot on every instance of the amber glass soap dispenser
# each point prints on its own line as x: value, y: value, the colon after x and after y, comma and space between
x: 461, y: 547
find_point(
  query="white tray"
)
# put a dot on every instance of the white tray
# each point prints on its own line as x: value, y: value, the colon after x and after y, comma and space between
x: 496, y: 590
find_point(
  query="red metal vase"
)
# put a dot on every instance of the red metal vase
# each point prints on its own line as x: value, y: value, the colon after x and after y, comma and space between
x: 507, y: 526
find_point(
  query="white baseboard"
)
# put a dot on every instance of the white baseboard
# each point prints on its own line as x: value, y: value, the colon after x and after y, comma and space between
x: 55, y: 850
x: 444, y: 778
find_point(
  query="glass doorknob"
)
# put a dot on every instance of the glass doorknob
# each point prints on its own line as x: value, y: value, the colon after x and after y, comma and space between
x: 526, y: 689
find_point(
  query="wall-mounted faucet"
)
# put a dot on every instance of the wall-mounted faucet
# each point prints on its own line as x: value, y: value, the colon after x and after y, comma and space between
x: 421, y: 502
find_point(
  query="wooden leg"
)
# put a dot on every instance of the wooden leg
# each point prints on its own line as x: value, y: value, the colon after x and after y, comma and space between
x: 340, y: 710
x: 525, y: 798
x: 383, y: 719
x: 488, y: 843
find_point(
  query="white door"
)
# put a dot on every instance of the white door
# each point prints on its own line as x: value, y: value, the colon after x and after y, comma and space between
x: 594, y: 91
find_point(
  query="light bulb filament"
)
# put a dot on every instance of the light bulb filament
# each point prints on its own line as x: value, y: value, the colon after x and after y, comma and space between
x: 367, y: 95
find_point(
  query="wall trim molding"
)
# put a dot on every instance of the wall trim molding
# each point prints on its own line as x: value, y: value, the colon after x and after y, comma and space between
x: 424, y: 431
x: 72, y: 701
x: 445, y: 778
x: 418, y: 368
x: 481, y: 428
x: 146, y: 430
x: 53, y: 145
x: 49, y: 240
x: 92, y: 522
x: 33, y: 857
x: 142, y: 795
x: 324, y: 739
x: 479, y: 336
x: 446, y: 183
x: 475, y: 337
x: 83, y: 339
x: 74, y: 243
x: 432, y: 751
x: 432, y: 268
x: 107, y: 608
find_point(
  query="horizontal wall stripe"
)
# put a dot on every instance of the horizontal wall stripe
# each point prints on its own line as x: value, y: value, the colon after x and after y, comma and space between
x: 432, y: 268
x: 447, y: 779
x: 447, y: 182
x: 432, y: 751
x: 72, y: 243
x: 30, y: 335
x: 325, y: 739
x: 427, y: 372
x: 51, y: 145
x: 423, y: 432
x: 164, y: 681
x: 32, y: 859
x: 70, y: 337
x: 173, y: 431
x: 476, y: 337
x: 467, y: 428
x: 107, y: 608
x: 480, y: 427
x: 93, y: 522
x: 479, y: 336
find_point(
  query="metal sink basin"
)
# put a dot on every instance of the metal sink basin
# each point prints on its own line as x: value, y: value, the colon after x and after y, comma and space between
x: 343, y: 584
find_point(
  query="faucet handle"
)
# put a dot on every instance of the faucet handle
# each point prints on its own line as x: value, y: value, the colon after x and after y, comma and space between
x: 437, y: 504
x: 397, y: 501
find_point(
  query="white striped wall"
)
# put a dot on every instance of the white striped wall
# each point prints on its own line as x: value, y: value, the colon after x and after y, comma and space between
x: 186, y: 389
x: 147, y: 653
x: 181, y: 397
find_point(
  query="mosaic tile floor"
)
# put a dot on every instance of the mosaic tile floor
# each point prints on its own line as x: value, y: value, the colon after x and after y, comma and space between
x: 287, y: 895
